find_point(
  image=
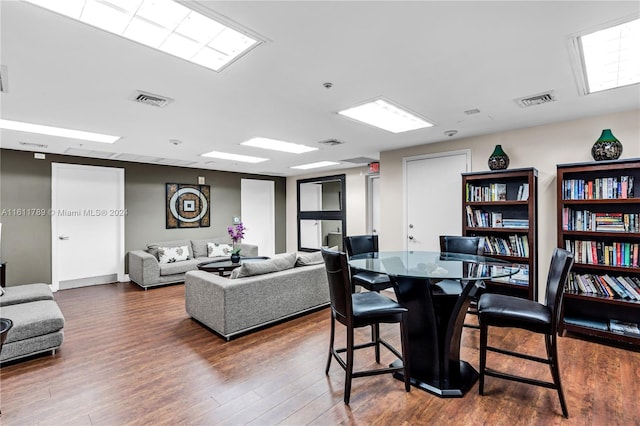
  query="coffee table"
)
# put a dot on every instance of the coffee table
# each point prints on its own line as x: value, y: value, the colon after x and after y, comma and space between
x: 223, y: 267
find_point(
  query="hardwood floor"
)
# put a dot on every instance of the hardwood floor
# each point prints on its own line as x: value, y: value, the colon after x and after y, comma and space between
x: 135, y: 357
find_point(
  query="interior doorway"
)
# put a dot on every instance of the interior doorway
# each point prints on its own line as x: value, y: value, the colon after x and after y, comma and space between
x: 433, y: 197
x: 87, y: 225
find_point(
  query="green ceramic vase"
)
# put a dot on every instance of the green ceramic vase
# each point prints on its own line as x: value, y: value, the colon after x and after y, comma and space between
x: 607, y: 147
x: 499, y: 160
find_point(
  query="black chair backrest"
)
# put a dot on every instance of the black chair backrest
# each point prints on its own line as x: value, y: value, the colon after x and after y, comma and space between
x: 357, y: 244
x: 463, y: 245
x: 561, y: 263
x: 339, y: 283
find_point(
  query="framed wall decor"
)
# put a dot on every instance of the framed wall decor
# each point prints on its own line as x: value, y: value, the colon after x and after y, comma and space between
x: 187, y: 205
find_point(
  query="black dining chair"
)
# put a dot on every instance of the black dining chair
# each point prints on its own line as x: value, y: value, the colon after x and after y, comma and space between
x: 462, y: 245
x: 355, y: 310
x: 498, y: 310
x: 359, y: 244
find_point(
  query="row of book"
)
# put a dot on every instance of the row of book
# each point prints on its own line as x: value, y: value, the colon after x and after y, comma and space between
x: 515, y: 245
x: 492, y: 192
x: 477, y: 218
x: 627, y: 328
x: 624, y: 254
x: 495, y: 192
x: 585, y: 220
x: 598, y: 189
x: 620, y: 287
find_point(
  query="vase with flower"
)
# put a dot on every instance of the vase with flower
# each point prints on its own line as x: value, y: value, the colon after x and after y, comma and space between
x: 237, y: 234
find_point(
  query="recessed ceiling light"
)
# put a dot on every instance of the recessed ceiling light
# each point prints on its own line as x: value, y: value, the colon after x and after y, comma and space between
x: 57, y: 131
x: 610, y: 57
x: 161, y: 24
x: 316, y: 165
x: 234, y: 157
x: 387, y: 116
x: 276, y: 145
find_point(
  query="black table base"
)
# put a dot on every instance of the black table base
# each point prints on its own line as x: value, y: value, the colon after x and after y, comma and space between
x: 456, y: 389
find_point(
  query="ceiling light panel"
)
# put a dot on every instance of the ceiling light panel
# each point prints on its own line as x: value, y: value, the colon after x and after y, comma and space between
x: 315, y: 165
x: 164, y: 25
x: 276, y: 145
x: 234, y: 157
x: 387, y: 116
x: 610, y: 57
x: 57, y: 131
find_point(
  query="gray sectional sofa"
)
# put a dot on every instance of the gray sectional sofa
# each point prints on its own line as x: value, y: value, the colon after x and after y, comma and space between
x: 146, y: 270
x: 37, y: 321
x: 257, y: 294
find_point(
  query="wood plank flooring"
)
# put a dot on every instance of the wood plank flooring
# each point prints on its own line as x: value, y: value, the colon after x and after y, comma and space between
x: 134, y: 357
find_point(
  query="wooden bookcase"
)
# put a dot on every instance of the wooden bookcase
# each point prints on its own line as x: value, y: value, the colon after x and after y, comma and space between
x: 494, y: 207
x: 598, y: 208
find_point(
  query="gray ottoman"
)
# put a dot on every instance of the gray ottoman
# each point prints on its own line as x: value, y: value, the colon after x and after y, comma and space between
x: 37, y: 321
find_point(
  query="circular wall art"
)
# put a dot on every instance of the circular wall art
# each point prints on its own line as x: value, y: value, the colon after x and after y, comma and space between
x: 187, y: 205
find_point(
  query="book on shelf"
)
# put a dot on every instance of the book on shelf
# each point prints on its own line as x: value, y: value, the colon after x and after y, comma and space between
x: 500, y: 192
x: 616, y: 253
x: 523, y: 192
x: 515, y: 223
x: 586, y: 322
x: 496, y: 220
x: 624, y: 327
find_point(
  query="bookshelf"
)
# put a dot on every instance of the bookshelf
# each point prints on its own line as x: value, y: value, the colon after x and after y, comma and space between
x: 502, y: 207
x: 598, y: 208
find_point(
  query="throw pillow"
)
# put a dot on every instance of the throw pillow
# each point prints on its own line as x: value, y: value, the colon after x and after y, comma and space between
x: 279, y: 262
x: 219, y: 249
x: 306, y: 259
x: 173, y: 254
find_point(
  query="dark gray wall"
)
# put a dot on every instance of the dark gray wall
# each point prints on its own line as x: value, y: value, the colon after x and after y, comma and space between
x: 25, y: 183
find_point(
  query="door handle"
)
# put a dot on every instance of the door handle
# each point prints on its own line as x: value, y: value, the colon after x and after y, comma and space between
x: 63, y: 237
x: 411, y: 237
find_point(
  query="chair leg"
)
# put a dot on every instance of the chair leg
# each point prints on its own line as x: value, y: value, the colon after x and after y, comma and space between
x: 483, y: 357
x: 349, y: 369
x: 375, y: 337
x: 331, y: 340
x: 404, y: 336
x: 551, y: 343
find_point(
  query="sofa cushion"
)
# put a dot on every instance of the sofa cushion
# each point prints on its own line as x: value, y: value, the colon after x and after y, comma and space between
x: 199, y: 247
x: 219, y: 249
x: 279, y: 262
x: 306, y: 259
x: 33, y: 319
x: 25, y: 293
x: 173, y: 254
x: 179, y: 267
x: 153, y: 248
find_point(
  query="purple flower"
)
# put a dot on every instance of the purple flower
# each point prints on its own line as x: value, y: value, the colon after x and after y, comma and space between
x: 236, y: 233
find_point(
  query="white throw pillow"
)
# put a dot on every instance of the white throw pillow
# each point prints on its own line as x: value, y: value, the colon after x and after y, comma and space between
x: 173, y: 254
x: 219, y: 249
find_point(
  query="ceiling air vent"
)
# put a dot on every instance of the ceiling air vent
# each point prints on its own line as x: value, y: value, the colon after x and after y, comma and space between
x: 33, y: 144
x: 151, y: 99
x: 539, y: 99
x: 359, y: 160
x: 331, y: 142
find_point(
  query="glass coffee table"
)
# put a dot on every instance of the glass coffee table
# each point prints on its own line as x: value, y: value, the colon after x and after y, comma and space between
x: 223, y: 267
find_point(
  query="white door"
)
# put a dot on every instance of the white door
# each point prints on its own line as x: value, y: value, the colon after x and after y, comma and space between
x: 87, y: 225
x: 374, y: 205
x: 433, y: 196
x: 257, y: 204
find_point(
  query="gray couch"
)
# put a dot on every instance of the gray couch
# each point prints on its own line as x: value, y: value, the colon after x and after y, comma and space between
x: 257, y: 294
x: 37, y: 321
x: 146, y: 270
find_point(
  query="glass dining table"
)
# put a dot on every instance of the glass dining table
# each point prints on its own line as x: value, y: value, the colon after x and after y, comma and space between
x: 436, y: 288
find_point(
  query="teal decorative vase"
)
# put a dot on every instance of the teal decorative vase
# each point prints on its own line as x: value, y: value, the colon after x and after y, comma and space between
x: 499, y: 160
x: 607, y: 147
